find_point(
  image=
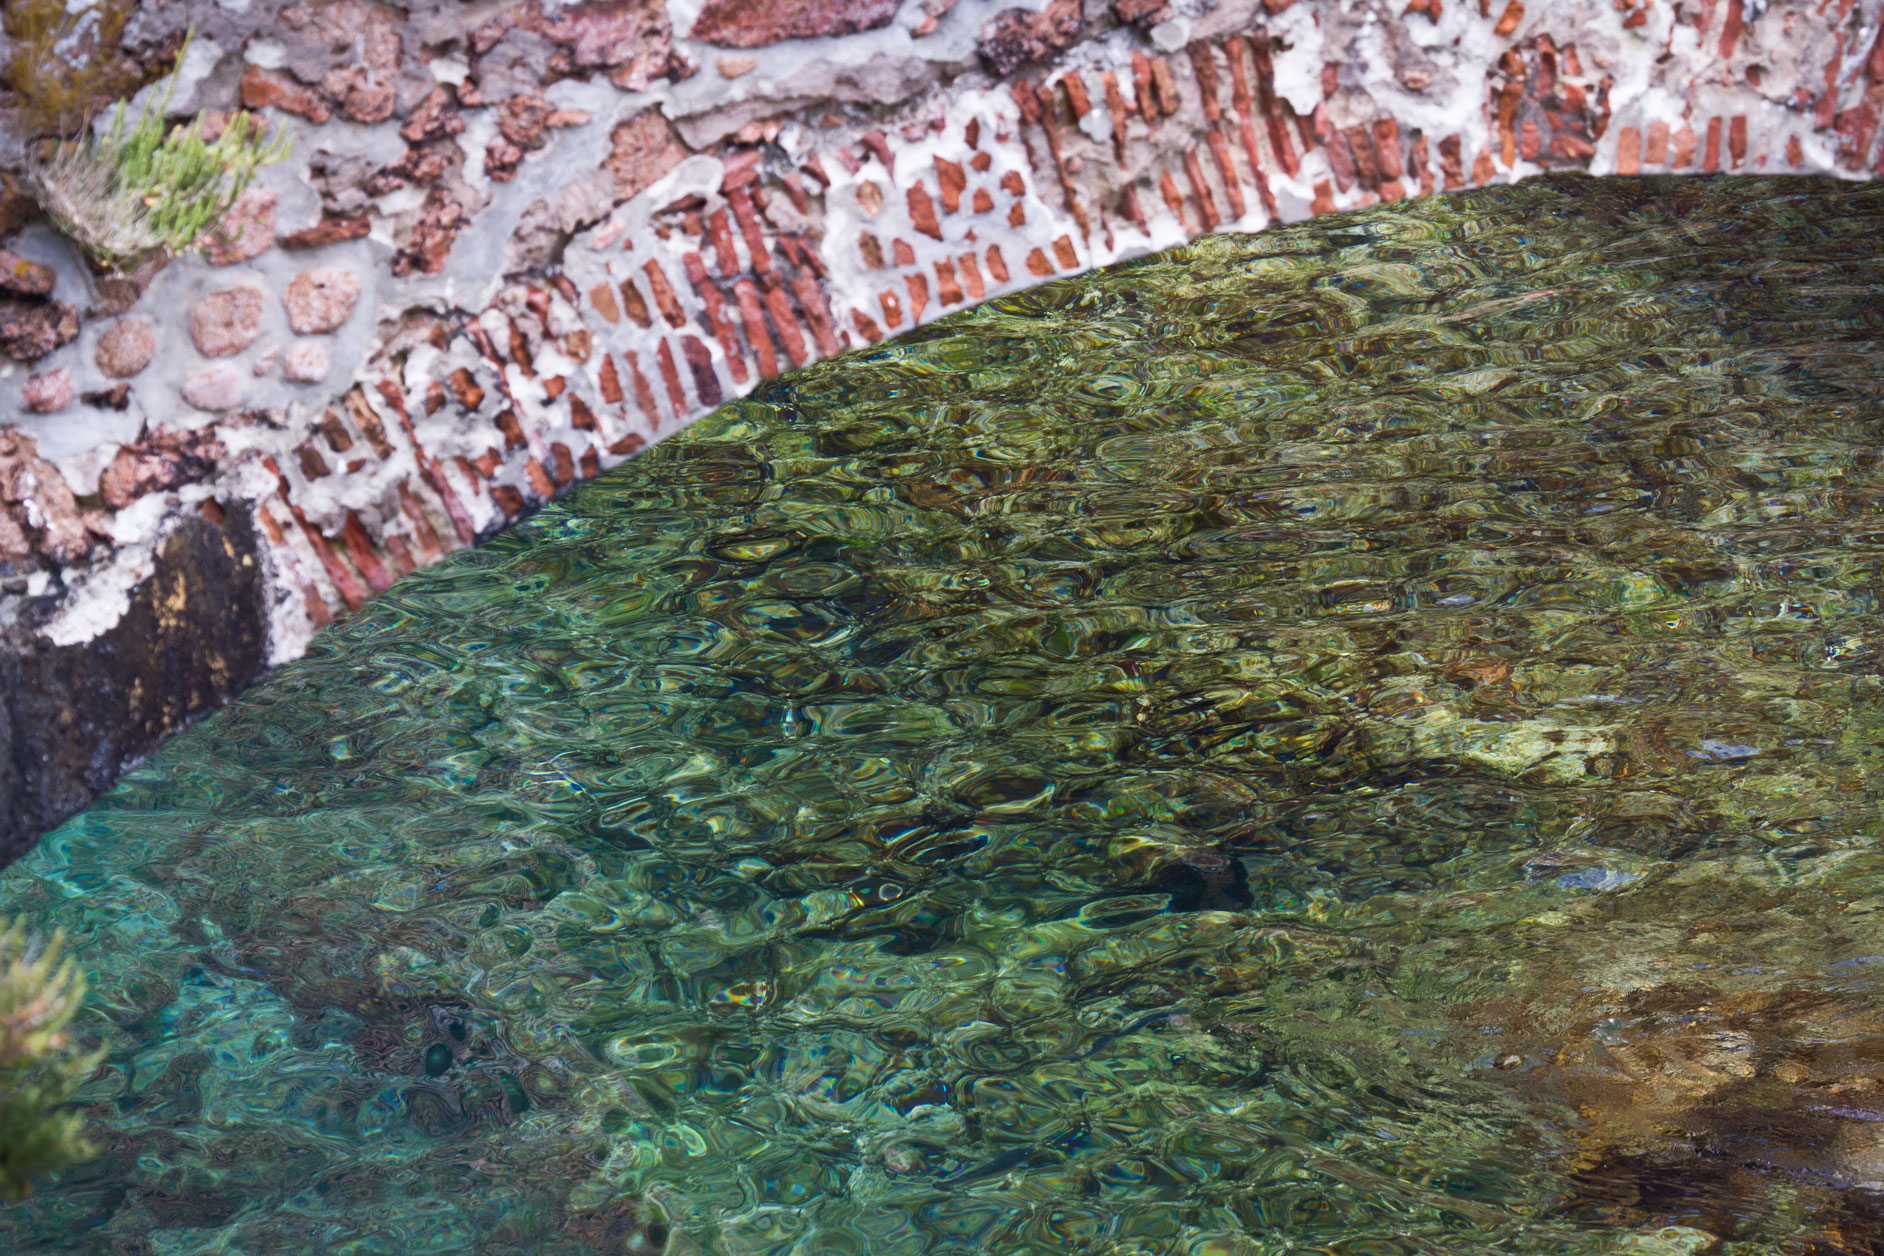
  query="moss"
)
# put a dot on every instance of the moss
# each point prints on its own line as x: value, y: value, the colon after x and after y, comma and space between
x: 64, y: 67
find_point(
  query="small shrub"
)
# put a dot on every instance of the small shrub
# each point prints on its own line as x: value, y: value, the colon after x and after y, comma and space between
x: 39, y: 1070
x: 133, y: 191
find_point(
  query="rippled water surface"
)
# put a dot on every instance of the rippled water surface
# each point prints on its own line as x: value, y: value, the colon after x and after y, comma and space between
x: 1358, y: 740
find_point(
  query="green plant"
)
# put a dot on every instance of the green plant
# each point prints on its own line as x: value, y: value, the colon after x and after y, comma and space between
x: 131, y: 192
x: 39, y: 1069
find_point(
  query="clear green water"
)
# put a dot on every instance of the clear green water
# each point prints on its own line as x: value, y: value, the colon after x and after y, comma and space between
x: 1356, y: 740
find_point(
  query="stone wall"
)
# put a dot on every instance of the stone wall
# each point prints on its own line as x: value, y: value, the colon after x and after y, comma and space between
x: 517, y: 242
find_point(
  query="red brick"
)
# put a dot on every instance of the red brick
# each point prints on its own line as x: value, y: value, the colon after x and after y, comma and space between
x: 1655, y: 153
x: 1451, y: 162
x: 1731, y: 29
x: 717, y: 322
x: 670, y: 375
x: 608, y: 381
x: 997, y: 265
x: 1685, y: 142
x: 1514, y: 13
x: 866, y: 326
x: 1038, y: 264
x: 922, y: 211
x: 947, y: 291
x: 757, y: 337
x: 971, y: 277
x: 644, y: 392
x: 1063, y: 250
x: 1737, y: 139
x: 817, y: 314
x: 953, y: 180
x: 1628, y: 151
x: 1141, y: 78
x: 720, y: 235
x: 706, y: 380
x: 1711, y: 161
x: 918, y: 285
x: 1202, y: 63
x: 748, y: 218
x: 422, y: 531
x: 892, y: 308
x: 580, y: 416
x: 634, y: 306
x: 664, y: 297
x: 1206, y: 203
x: 1168, y: 188
x: 1220, y: 151
x: 1167, y: 86
x: 785, y: 322
x: 1115, y: 105
x: 1387, y: 149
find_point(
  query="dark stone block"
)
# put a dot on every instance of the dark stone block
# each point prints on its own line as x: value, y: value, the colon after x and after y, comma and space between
x: 73, y: 718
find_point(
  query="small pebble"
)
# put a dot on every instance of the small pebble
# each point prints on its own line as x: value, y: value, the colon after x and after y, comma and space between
x: 306, y: 363
x: 215, y: 388
x: 48, y: 391
x: 125, y: 347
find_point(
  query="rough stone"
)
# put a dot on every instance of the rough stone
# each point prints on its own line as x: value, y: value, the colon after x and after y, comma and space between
x: 363, y: 45
x: 216, y: 387
x: 125, y: 348
x: 246, y: 230
x: 642, y: 150
x: 161, y: 459
x: 761, y: 23
x: 437, y: 117
x: 320, y: 300
x: 1142, y: 12
x: 116, y: 397
x: 306, y: 363
x: 429, y: 245
x: 72, y: 716
x: 225, y: 323
x: 1016, y: 38
x: 40, y: 503
x: 263, y: 89
x: 49, y: 391
x: 29, y: 330
x: 21, y: 278
x: 327, y: 231
x: 630, y: 39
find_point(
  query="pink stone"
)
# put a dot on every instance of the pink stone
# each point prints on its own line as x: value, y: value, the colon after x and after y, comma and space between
x: 321, y: 299
x: 760, y: 23
x: 306, y: 363
x: 125, y: 347
x: 48, y: 391
x: 225, y: 323
x: 246, y: 229
x: 217, y: 387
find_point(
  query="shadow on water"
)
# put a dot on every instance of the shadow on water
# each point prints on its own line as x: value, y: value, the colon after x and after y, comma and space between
x: 1360, y: 739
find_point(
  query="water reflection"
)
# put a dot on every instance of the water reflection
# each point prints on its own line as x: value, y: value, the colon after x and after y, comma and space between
x: 1359, y: 739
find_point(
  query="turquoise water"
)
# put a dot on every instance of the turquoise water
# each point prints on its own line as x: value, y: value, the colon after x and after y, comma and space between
x: 1360, y: 739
